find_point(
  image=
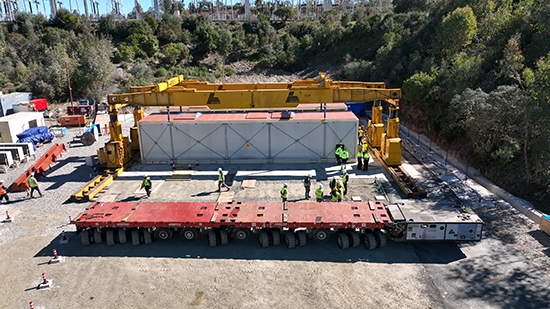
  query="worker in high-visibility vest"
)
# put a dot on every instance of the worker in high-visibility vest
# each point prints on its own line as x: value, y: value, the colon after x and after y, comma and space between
x: 366, y: 159
x: 4, y: 192
x: 319, y: 194
x: 345, y: 180
x: 33, y: 184
x: 338, y: 154
x: 284, y: 192
x: 146, y: 184
x: 333, y: 183
x: 359, y: 160
x: 360, y: 134
x: 339, y: 192
x: 221, y: 180
x: 334, y: 195
x: 364, y: 148
x: 344, y: 155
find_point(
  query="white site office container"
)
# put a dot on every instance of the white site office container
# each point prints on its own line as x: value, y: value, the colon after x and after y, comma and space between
x: 255, y: 137
x: 16, y: 152
x: 28, y: 148
x: 6, y: 158
x: 14, y: 124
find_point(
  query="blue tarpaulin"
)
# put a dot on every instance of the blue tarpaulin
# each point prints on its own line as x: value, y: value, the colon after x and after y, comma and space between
x: 358, y: 109
x: 35, y: 136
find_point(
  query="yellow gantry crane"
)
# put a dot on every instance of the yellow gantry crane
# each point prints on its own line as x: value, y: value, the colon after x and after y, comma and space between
x: 179, y: 92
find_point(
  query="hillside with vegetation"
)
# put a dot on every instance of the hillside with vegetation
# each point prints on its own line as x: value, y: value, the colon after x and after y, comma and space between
x: 475, y: 74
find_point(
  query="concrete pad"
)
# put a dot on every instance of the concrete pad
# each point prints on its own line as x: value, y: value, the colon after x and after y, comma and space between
x: 249, y: 183
x: 45, y: 285
x: 60, y: 259
x: 226, y: 196
x: 356, y: 198
x: 107, y: 198
x: 380, y: 198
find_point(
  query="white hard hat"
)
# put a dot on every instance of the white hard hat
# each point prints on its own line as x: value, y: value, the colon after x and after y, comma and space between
x: 219, y: 169
x: 1, y: 181
x: 308, y: 175
x: 145, y: 176
x: 334, y: 177
x: 32, y: 174
x: 320, y: 186
x: 345, y: 172
x: 285, y: 185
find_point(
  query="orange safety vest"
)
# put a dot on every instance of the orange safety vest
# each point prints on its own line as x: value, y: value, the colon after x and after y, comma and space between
x: 3, y: 191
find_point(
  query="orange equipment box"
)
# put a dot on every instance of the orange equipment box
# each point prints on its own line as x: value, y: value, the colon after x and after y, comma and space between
x: 72, y: 120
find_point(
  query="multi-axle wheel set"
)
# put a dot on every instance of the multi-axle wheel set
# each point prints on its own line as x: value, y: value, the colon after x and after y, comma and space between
x: 292, y: 238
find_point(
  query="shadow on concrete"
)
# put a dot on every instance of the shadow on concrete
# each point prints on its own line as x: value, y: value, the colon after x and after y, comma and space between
x: 395, y: 252
x: 541, y: 237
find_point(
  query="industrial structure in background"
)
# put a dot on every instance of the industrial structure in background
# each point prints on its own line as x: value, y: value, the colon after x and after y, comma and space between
x: 217, y: 11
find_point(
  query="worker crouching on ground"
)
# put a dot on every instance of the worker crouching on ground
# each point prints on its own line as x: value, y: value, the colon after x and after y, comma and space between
x: 221, y: 180
x: 284, y: 192
x: 340, y: 192
x: 33, y: 184
x: 319, y: 194
x: 4, y: 192
x: 307, y: 185
x: 146, y: 184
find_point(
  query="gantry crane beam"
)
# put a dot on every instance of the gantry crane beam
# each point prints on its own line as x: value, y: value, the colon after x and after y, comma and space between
x: 176, y: 92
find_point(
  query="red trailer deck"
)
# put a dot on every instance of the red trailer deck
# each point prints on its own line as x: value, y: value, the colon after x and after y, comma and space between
x: 238, y: 214
x: 117, y: 221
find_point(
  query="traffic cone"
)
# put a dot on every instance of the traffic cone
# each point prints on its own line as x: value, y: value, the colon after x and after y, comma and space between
x: 189, y: 165
x: 70, y: 219
x: 56, y: 258
x: 45, y: 282
x: 91, y: 176
x: 197, y: 163
x: 8, y: 218
x: 64, y: 239
x: 69, y: 144
x: 31, y: 305
x: 54, y: 159
x: 173, y: 164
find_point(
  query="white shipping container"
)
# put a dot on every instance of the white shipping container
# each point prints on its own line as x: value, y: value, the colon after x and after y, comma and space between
x: 6, y: 158
x: 14, y: 124
x: 256, y: 137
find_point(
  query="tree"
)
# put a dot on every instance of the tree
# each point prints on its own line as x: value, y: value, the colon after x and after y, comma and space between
x: 65, y: 20
x: 512, y: 64
x: 205, y: 38
x: 457, y: 30
x: 223, y: 42
x: 285, y: 13
x: 418, y: 89
x: 24, y: 23
x: 149, y: 44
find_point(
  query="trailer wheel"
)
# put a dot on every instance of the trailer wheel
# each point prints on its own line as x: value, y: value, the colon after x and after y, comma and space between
x: 147, y: 237
x: 241, y: 234
x: 224, y: 238
x: 275, y: 237
x: 302, y: 238
x: 343, y: 241
x: 264, y: 239
x: 381, y: 238
x: 163, y: 234
x: 135, y: 237
x: 110, y: 236
x: 85, y: 237
x: 212, y: 241
x: 370, y: 241
x: 354, y: 239
x: 189, y: 234
x: 290, y: 240
x: 321, y: 235
x: 122, y: 236
x: 97, y: 236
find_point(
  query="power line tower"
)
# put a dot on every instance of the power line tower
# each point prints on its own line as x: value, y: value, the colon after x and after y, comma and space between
x: 157, y: 9
x: 246, y: 9
x: 53, y: 8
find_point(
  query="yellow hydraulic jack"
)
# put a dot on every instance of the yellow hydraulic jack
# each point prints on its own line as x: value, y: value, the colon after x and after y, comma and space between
x: 391, y: 145
x: 118, y: 151
x: 375, y: 128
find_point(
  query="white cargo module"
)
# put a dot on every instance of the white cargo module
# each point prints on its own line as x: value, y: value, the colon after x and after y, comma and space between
x: 254, y: 137
x: 435, y: 222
